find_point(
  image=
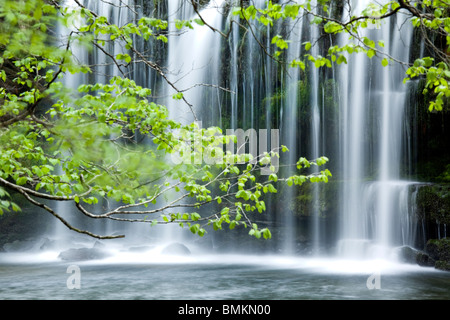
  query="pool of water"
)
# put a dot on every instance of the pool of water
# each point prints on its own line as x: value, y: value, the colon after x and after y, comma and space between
x: 237, y: 277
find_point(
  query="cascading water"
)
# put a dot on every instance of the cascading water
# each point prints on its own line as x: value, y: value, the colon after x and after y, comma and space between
x: 371, y: 194
x: 375, y: 204
x: 357, y: 114
x: 194, y: 63
x: 104, y: 70
x: 315, y: 140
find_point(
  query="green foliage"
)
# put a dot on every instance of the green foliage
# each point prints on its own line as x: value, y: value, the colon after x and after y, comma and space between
x: 437, y: 84
x: 431, y: 17
x: 81, y: 146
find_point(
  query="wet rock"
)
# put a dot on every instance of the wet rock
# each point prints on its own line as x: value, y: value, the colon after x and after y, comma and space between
x: 439, y: 250
x: 19, y: 246
x: 425, y: 260
x: 176, y: 249
x: 407, y: 254
x: 442, y: 265
x: 83, y: 254
x: 48, y: 244
x: 99, y: 245
x: 431, y: 248
x: 140, y: 248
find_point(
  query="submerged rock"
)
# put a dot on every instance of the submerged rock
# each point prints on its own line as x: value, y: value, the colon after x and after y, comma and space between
x: 176, y: 249
x: 48, y: 245
x: 20, y: 245
x: 140, y: 248
x: 83, y: 254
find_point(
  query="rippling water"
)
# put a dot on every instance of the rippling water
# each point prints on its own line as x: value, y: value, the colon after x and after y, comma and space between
x: 138, y: 276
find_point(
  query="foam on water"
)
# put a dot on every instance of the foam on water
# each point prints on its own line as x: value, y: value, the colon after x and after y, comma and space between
x: 156, y: 256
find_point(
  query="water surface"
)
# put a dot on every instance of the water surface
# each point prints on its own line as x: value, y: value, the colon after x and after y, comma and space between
x: 218, y: 277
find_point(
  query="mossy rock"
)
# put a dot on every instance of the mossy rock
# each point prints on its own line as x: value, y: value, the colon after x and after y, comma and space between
x: 407, y: 254
x: 442, y: 265
x: 433, y: 203
x: 425, y: 260
x: 438, y: 249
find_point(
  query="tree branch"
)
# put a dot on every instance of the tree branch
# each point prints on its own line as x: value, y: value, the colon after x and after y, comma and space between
x: 67, y: 224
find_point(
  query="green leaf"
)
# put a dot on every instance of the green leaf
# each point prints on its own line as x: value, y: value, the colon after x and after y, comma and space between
x: 428, y: 61
x: 178, y: 96
x: 341, y: 59
x: 266, y: 233
x: 385, y: 62
x: 332, y: 27
x: 307, y: 46
x: 195, y: 228
x: 289, y: 181
x: 21, y: 181
x: 225, y: 211
x: 371, y: 53
x: 15, y: 207
x: 199, y: 22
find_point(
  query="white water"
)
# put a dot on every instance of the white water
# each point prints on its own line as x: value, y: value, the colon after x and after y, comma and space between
x: 373, y: 207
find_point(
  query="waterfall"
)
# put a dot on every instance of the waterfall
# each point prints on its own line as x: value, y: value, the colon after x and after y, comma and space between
x: 289, y: 129
x: 194, y: 63
x: 373, y: 109
x: 375, y: 203
x: 103, y: 71
x: 315, y: 139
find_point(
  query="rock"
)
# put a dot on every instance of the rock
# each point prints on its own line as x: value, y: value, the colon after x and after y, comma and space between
x: 439, y: 250
x: 48, y: 245
x: 431, y: 248
x: 407, y: 254
x: 19, y: 246
x: 442, y: 265
x: 425, y: 260
x: 140, y: 248
x: 98, y: 245
x: 83, y: 254
x: 410, y: 255
x: 176, y: 249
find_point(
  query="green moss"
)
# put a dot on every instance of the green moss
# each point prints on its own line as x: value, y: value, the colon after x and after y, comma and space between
x: 445, y: 175
x: 433, y: 203
x: 439, y: 250
x: 442, y: 265
x: 325, y: 202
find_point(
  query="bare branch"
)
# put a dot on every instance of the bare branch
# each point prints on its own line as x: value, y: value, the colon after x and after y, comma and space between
x: 208, y: 25
x: 67, y: 224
